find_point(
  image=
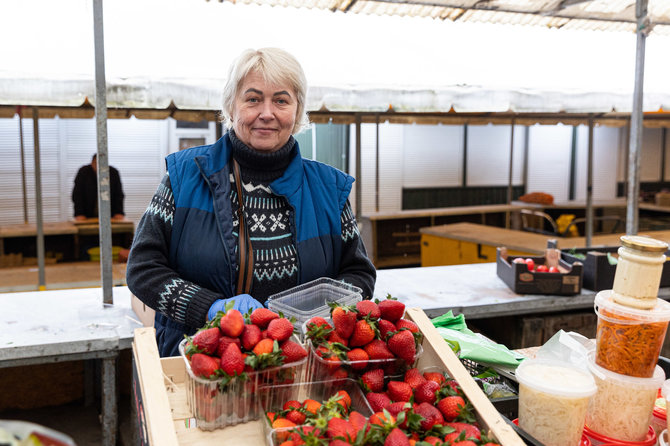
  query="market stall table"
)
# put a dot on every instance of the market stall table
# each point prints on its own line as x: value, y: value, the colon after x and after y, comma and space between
x: 68, y: 325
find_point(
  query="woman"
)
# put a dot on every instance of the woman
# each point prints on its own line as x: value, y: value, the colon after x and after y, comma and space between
x: 196, y: 247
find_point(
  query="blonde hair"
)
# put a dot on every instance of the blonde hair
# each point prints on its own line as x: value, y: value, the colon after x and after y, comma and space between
x: 276, y: 66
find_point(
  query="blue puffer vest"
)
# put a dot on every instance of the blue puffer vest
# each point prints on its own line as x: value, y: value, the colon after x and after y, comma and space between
x: 202, y: 248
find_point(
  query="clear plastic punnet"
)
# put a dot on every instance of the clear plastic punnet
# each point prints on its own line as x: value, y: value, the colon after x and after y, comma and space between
x: 215, y: 406
x: 311, y: 299
x: 272, y: 399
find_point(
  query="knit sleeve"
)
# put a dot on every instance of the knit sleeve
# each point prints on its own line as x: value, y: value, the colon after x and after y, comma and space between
x: 355, y: 266
x: 149, y: 274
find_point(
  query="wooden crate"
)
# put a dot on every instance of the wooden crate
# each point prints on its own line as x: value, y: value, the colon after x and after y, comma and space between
x: 159, y: 391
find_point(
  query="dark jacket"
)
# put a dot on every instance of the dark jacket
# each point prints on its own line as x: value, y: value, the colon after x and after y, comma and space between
x: 85, y: 192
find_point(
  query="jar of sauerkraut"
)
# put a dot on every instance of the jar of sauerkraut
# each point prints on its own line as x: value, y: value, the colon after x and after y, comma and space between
x: 638, y: 272
x: 622, y: 407
x: 553, y: 398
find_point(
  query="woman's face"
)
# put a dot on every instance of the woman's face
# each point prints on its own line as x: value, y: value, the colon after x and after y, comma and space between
x: 264, y: 114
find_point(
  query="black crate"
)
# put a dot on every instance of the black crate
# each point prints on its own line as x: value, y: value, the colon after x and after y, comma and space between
x: 507, y: 406
x: 522, y: 281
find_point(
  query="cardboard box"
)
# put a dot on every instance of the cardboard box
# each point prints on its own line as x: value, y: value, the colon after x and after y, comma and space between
x: 159, y: 391
x: 521, y: 280
x: 662, y: 199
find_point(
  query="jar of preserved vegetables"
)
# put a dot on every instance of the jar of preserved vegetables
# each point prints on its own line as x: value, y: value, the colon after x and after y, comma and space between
x: 638, y: 272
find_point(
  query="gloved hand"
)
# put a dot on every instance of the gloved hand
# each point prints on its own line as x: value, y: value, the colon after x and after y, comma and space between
x: 242, y: 303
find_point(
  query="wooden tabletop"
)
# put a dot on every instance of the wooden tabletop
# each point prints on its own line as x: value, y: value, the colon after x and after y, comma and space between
x: 454, y: 210
x: 63, y: 228
x: 574, y: 204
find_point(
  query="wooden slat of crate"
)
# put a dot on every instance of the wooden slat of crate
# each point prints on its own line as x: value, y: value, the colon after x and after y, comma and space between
x: 437, y: 352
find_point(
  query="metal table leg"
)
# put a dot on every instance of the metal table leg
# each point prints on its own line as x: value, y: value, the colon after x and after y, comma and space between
x: 109, y: 404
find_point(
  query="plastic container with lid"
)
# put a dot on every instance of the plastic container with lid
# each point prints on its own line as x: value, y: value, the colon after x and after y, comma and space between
x: 584, y: 441
x: 603, y: 440
x: 638, y: 272
x: 553, y: 398
x: 623, y: 405
x: 629, y: 340
x: 665, y: 391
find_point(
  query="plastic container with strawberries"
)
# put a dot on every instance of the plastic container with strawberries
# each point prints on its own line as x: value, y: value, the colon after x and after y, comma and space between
x: 217, y: 403
x: 320, y: 394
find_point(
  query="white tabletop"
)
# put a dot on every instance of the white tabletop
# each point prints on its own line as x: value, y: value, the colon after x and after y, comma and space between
x: 61, y: 322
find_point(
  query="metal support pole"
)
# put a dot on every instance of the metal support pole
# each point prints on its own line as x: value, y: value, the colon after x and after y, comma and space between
x: 38, y: 202
x: 636, y: 121
x: 23, y: 165
x: 104, y: 207
x: 377, y: 162
x: 359, y: 198
x: 109, y: 405
x: 509, y: 175
x: 589, y: 186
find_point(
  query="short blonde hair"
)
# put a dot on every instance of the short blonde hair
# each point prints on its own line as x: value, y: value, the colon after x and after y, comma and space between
x: 276, y: 66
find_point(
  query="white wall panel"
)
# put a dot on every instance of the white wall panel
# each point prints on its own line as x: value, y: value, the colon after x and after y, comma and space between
x: 433, y: 156
x: 605, y: 162
x: 650, y: 155
x: 488, y: 155
x: 549, y: 150
x: 391, y: 140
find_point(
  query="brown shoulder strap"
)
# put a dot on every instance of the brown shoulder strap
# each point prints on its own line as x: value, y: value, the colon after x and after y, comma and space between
x: 245, y: 253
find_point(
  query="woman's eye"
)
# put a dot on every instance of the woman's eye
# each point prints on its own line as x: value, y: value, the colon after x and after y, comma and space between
x: 254, y: 100
x: 282, y: 101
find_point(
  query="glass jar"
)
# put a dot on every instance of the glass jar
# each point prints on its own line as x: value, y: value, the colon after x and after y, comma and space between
x: 638, y: 272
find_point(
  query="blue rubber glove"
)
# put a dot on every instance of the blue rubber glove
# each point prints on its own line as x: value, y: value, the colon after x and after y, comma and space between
x: 243, y: 302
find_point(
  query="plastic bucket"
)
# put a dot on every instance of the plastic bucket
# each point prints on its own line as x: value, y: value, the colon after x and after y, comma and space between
x: 94, y: 253
x: 629, y: 340
x: 623, y: 405
x: 553, y: 398
x: 600, y: 440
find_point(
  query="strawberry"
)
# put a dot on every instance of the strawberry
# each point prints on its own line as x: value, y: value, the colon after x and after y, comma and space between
x: 425, y: 393
x: 471, y: 431
x: 291, y: 404
x: 232, y: 362
x: 385, y: 327
x: 399, y: 391
x: 397, y: 407
x: 207, y: 340
x: 363, y: 333
x: 464, y: 443
x: 404, y: 323
x: 451, y: 407
x: 335, y: 337
x: 311, y: 406
x: 296, y: 416
x: 203, y: 365
x: 431, y: 439
x: 336, y: 442
x: 264, y: 346
x: 368, y: 308
x: 280, y: 423
x: 402, y: 345
x: 431, y: 416
x: 396, y: 438
x: 280, y: 329
x: 292, y: 351
x: 378, y: 401
x: 224, y: 341
x: 337, y: 427
x: 358, y: 421
x: 373, y: 380
x: 391, y: 309
x: 378, y: 349
x: 232, y: 323
x: 435, y: 376
x: 359, y: 359
x: 251, y: 336
x: 318, y: 321
x: 344, y: 399
x: 414, y: 378
x: 262, y: 317
x: 455, y: 387
x: 344, y: 319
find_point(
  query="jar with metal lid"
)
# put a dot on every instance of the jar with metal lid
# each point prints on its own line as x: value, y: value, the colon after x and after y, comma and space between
x: 638, y: 272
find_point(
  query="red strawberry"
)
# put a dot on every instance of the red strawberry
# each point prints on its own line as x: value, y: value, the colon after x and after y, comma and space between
x: 264, y: 346
x: 251, y: 336
x: 378, y: 401
x: 396, y: 438
x: 378, y: 349
x: 403, y: 346
x: 431, y: 416
x: 435, y: 376
x: 425, y: 393
x: 224, y: 341
x: 414, y: 378
x: 335, y: 442
x: 292, y: 351
x: 435, y: 441
x: 203, y: 365
x: 471, y: 431
x: 296, y: 416
x: 318, y: 321
x: 280, y: 329
x: 207, y: 340
x: 335, y: 337
x: 232, y: 362
x: 232, y: 323
x: 358, y: 421
x: 385, y: 327
x: 359, y: 358
x: 464, y: 443
x: 344, y: 320
x: 451, y: 407
x: 454, y: 386
x: 391, y: 310
x: 397, y: 407
x: 337, y: 427
x: 292, y: 404
x: 368, y: 308
x: 399, y: 391
x: 404, y: 323
x: 262, y: 317
x: 373, y: 380
x: 363, y: 333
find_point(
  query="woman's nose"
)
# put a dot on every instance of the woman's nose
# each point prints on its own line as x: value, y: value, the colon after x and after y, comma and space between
x: 267, y: 110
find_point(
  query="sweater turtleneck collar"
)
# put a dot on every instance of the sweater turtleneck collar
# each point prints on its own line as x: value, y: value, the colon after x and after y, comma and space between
x: 261, y: 166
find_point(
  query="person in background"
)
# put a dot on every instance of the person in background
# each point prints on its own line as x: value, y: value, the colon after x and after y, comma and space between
x: 85, y: 192
x: 246, y: 216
